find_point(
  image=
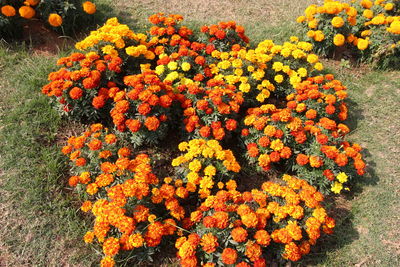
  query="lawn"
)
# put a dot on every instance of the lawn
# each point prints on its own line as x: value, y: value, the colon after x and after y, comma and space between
x: 42, y: 224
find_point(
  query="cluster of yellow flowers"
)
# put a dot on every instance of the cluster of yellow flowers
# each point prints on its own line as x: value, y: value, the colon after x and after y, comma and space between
x: 199, y: 164
x: 363, y: 24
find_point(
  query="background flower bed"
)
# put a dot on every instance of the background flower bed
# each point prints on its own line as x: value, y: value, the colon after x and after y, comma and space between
x: 362, y: 199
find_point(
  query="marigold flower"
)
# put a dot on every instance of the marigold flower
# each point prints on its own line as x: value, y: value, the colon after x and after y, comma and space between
x: 55, y: 20
x: 209, y: 242
x: 26, y: 12
x: 229, y: 256
x: 89, y: 7
x: 8, y: 11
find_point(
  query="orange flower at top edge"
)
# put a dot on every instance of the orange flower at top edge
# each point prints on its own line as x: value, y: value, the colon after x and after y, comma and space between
x: 8, y: 11
x: 89, y: 7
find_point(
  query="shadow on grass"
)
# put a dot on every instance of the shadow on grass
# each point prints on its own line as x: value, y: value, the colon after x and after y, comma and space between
x: 344, y: 233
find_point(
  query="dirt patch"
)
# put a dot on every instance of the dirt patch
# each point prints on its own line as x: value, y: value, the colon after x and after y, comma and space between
x: 42, y: 40
x: 271, y: 12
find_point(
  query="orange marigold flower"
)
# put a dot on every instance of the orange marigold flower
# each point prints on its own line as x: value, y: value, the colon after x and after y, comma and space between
x: 26, y: 12
x: 55, y: 20
x: 209, y: 242
x: 107, y: 262
x: 8, y: 11
x: 95, y: 144
x: 221, y: 218
x: 262, y: 237
x: 88, y: 237
x: 76, y: 93
x: 86, y: 206
x: 80, y: 162
x: 111, y: 246
x: 209, y: 221
x: 239, y: 234
x: 341, y: 160
x: 316, y: 161
x: 152, y: 123
x: 89, y: 7
x: 250, y: 220
x: 73, y: 181
x: 292, y: 252
x: 253, y: 251
x: 302, y: 159
x: 229, y: 256
x: 66, y: 149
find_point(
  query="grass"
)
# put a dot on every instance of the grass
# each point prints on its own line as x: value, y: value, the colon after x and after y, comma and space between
x: 41, y: 224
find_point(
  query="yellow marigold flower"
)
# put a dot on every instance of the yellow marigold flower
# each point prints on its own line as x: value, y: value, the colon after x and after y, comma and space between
x: 366, y: 3
x: 312, y: 58
x: 339, y: 39
x: 301, y: 19
x: 369, y: 14
x: 173, y: 65
x: 302, y: 72
x: 394, y: 27
x: 351, y: 12
x: 210, y: 170
x: 89, y: 7
x: 337, y: 22
x: 319, y: 66
x: 167, y: 180
x: 172, y: 76
x: 362, y: 44
x: 279, y: 78
x: 336, y: 187
x: 244, y: 87
x: 136, y: 240
x: 342, y: 177
x: 192, y: 177
x: 319, y: 36
x: 185, y: 66
x: 151, y: 218
x: 311, y: 34
x: 277, y: 145
x: 109, y: 50
x: 183, y: 146
x: 389, y: 6
x: 160, y: 69
x: 8, y: 11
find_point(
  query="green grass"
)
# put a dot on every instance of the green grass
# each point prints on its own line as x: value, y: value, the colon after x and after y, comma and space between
x: 41, y: 224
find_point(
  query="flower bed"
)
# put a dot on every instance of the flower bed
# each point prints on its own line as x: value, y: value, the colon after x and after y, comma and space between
x: 233, y: 107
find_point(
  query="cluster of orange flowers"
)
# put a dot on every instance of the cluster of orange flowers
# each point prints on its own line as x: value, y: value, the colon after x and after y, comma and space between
x: 307, y: 134
x: 28, y: 9
x: 124, y: 194
x: 80, y: 85
x: 238, y: 228
x: 144, y: 105
x: 134, y: 209
x: 369, y: 26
